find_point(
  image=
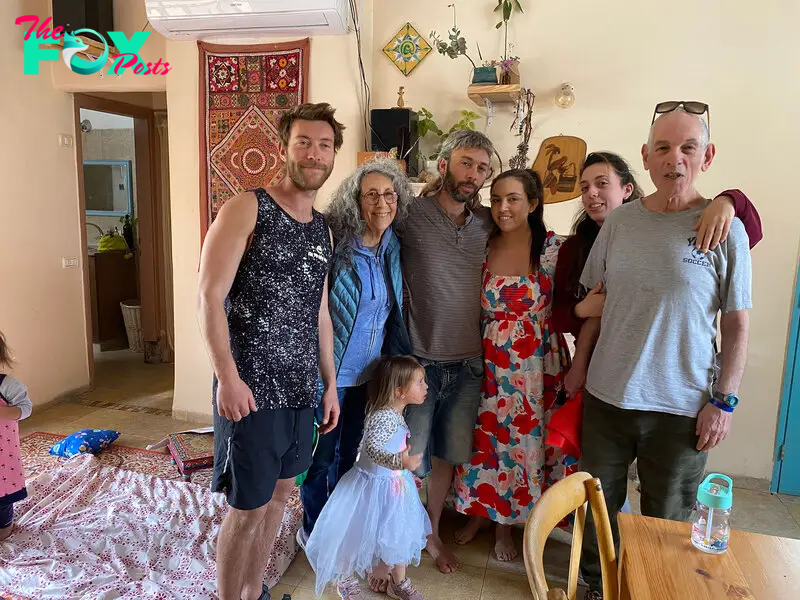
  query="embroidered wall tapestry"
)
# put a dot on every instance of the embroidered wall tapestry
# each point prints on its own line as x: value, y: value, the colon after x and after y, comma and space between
x: 243, y: 92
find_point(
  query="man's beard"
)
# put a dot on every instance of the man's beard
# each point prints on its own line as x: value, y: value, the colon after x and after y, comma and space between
x: 301, y: 179
x: 451, y: 187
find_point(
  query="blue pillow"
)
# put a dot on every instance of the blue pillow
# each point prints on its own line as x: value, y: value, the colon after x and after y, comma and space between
x: 83, y: 441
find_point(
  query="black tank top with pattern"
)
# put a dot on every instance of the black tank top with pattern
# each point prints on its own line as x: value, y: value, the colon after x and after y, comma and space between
x: 273, y: 307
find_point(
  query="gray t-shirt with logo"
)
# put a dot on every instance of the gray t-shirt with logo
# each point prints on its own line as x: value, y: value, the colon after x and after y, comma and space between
x: 656, y: 348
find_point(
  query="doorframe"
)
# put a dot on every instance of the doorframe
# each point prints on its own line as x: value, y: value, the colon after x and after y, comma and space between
x: 150, y: 228
x: 792, y: 363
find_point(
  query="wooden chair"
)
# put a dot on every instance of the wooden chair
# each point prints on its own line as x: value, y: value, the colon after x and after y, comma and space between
x: 569, y: 495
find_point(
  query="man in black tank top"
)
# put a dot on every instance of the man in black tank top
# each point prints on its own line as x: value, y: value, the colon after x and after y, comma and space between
x: 263, y: 303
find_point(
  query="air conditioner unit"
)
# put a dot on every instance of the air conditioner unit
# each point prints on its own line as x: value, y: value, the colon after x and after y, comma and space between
x: 201, y: 19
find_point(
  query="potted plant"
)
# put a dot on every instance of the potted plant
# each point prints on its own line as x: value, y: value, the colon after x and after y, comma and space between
x: 128, y: 225
x: 457, y: 46
x: 508, y: 64
x: 426, y: 126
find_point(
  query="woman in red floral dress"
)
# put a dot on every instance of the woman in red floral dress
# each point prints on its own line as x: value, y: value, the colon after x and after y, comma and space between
x: 525, y: 364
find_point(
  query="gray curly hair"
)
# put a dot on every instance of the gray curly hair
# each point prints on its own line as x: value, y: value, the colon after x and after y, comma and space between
x: 466, y: 138
x: 343, y: 214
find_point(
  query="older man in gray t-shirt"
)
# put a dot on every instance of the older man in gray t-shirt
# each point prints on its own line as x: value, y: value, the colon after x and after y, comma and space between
x: 651, y: 391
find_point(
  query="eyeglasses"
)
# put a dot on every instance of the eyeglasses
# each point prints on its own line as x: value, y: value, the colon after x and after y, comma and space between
x: 690, y: 106
x: 371, y: 197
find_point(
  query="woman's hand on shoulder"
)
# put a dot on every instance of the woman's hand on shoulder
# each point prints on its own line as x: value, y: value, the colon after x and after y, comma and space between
x: 714, y: 223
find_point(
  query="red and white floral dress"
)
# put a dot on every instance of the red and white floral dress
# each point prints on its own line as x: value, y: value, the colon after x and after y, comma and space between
x: 525, y: 364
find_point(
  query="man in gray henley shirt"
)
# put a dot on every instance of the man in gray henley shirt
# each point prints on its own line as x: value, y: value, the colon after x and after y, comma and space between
x: 444, y: 241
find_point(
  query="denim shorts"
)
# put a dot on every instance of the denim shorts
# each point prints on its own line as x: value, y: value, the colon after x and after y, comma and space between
x: 443, y: 425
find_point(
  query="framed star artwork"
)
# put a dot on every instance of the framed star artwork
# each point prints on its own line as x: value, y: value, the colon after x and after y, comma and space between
x: 407, y: 49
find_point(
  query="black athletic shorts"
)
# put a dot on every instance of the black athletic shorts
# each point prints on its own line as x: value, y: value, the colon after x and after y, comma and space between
x: 251, y: 455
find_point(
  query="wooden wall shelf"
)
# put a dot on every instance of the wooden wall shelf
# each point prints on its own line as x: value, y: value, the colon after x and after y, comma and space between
x: 497, y: 94
x: 94, y: 50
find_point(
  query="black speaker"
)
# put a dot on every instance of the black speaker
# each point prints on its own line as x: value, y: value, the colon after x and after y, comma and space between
x: 396, y: 128
x: 85, y: 14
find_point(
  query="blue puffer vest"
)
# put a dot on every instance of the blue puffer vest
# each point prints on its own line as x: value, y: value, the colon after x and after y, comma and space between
x: 344, y: 295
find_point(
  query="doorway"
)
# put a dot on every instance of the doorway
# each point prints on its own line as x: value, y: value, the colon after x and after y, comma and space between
x: 124, y: 198
x: 786, y: 474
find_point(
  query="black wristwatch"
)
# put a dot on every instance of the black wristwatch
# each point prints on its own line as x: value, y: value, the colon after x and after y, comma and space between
x: 726, y: 402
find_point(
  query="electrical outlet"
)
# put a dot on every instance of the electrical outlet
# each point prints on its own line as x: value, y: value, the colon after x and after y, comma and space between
x: 69, y: 262
x: 65, y: 139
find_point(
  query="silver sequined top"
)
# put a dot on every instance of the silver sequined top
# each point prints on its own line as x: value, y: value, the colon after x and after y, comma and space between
x: 273, y: 307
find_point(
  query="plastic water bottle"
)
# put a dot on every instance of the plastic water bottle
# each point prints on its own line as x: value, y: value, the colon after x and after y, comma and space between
x: 711, y: 518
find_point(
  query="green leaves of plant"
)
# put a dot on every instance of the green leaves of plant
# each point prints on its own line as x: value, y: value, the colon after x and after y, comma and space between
x: 427, y: 125
x: 506, y: 8
x: 457, y: 46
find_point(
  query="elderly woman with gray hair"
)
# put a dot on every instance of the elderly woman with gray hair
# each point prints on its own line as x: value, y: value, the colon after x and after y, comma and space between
x: 365, y: 300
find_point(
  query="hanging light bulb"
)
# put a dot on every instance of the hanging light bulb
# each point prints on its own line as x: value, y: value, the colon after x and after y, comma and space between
x: 566, y: 96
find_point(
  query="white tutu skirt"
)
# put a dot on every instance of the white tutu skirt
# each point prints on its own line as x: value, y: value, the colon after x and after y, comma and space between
x: 369, y: 518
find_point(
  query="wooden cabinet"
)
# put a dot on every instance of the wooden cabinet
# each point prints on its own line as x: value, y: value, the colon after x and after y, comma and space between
x: 112, y: 278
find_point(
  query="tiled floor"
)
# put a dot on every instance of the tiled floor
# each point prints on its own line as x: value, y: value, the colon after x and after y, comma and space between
x: 481, y: 577
x: 130, y: 396
x: 136, y: 399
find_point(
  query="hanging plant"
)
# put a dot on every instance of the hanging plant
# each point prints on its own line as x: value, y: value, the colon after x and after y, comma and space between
x: 524, y: 123
x: 457, y: 45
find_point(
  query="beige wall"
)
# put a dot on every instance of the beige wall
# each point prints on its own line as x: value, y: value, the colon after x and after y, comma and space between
x: 623, y: 57
x: 129, y: 17
x: 333, y: 78
x: 41, y: 307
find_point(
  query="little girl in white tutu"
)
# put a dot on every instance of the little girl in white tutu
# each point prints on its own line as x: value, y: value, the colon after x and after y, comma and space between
x: 375, y: 515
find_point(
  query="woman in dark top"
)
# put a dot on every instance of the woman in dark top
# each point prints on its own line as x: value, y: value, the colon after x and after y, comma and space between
x: 606, y: 183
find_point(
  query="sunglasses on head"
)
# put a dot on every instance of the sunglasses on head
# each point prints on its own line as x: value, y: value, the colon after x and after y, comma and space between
x: 692, y: 107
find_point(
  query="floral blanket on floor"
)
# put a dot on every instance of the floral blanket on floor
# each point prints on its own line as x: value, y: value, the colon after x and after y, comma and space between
x: 96, y: 532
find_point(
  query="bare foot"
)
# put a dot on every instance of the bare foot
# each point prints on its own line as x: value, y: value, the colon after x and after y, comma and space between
x: 504, y: 547
x: 466, y: 534
x: 445, y: 560
x: 379, y: 579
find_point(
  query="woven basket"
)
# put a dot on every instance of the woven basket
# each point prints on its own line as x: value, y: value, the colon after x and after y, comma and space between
x: 132, y: 313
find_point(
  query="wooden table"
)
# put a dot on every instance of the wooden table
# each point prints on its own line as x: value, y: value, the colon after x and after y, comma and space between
x: 658, y: 562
